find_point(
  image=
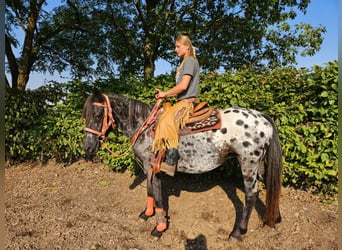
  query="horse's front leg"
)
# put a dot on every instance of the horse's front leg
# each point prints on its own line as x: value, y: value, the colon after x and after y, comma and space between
x: 149, y: 210
x: 162, y: 221
x: 155, y: 203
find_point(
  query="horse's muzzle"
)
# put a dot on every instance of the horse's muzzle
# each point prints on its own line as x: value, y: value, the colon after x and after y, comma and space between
x: 91, y: 144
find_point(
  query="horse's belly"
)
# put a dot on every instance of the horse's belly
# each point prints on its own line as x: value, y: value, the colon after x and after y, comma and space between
x: 197, y: 165
x: 199, y: 153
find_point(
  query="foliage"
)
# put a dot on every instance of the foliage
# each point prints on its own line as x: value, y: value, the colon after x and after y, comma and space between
x: 38, y: 27
x: 44, y: 124
x: 302, y: 102
x: 126, y: 38
x: 121, y: 157
x: 310, y: 132
x: 304, y: 107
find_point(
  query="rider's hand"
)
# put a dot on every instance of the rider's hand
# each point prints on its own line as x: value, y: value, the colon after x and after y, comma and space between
x: 160, y: 94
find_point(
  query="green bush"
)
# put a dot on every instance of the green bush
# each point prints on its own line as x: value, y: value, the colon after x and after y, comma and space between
x: 116, y: 153
x: 45, y: 123
x: 304, y: 106
x: 309, y: 132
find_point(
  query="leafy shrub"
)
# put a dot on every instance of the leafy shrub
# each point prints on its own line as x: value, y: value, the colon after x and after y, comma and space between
x: 43, y: 124
x: 309, y: 132
x: 46, y: 123
x: 116, y: 153
x: 22, y: 128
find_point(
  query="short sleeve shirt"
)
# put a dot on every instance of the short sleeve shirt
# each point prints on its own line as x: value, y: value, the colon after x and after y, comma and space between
x: 190, y: 67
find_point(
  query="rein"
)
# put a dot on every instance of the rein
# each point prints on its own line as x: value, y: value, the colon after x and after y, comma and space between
x: 108, y: 121
x: 149, y: 120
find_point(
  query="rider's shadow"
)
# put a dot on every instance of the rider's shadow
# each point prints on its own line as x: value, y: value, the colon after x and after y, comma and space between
x: 199, y: 243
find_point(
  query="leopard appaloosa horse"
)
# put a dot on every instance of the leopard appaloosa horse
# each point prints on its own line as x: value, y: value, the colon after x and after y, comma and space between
x: 248, y: 134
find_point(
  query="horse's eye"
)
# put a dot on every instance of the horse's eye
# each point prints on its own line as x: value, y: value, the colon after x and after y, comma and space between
x: 98, y: 117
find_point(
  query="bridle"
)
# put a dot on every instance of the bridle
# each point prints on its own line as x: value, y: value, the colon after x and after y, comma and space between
x: 109, y: 121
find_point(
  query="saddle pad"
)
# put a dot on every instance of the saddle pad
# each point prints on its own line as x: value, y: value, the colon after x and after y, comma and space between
x: 210, y: 123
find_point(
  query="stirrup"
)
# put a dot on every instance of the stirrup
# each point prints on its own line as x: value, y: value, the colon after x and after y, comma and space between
x: 168, y: 169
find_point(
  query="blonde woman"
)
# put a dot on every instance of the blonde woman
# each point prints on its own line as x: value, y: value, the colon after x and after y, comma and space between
x: 186, y: 92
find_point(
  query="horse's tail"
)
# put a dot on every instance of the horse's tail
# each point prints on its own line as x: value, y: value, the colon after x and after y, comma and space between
x: 273, y: 180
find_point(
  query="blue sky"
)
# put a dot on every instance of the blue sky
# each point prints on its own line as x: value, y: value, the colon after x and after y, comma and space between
x: 324, y: 13
x: 319, y: 13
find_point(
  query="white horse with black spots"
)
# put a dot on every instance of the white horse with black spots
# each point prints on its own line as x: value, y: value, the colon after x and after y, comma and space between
x: 248, y: 134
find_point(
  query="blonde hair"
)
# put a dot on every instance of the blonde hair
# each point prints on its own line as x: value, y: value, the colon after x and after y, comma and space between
x: 185, y: 40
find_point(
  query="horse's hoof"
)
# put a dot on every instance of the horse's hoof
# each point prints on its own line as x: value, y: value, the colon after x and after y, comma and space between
x: 235, y: 237
x: 278, y: 220
x: 156, y: 233
x: 143, y: 216
x: 243, y: 230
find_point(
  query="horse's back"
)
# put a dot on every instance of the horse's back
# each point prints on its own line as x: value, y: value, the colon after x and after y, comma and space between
x: 244, y: 132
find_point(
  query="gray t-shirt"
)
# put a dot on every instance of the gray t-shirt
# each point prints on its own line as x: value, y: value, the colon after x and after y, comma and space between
x: 190, y: 67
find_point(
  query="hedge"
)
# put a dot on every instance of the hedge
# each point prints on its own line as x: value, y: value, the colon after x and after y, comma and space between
x: 45, y: 123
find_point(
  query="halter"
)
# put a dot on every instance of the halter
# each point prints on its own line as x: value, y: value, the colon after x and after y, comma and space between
x: 108, y: 120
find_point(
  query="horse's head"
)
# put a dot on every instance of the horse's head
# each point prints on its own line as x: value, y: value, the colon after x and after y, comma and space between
x: 98, y: 115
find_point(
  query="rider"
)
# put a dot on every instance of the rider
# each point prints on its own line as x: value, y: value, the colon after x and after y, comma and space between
x: 186, y: 90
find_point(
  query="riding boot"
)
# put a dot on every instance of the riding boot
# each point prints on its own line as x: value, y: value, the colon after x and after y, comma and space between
x: 170, y: 163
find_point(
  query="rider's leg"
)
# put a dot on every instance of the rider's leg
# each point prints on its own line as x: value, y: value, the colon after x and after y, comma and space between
x: 170, y: 163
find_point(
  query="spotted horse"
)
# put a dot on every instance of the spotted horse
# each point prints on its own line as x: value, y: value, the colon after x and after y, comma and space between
x: 248, y: 134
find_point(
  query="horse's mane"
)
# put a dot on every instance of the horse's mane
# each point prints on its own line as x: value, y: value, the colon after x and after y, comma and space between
x: 133, y: 110
x: 125, y: 108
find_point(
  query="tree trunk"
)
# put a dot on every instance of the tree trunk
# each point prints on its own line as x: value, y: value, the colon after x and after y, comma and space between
x: 149, y: 65
x: 21, y: 68
x: 23, y: 78
x: 12, y: 63
x: 149, y: 21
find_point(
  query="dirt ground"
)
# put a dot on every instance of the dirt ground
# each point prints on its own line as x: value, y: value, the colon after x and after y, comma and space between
x: 87, y: 206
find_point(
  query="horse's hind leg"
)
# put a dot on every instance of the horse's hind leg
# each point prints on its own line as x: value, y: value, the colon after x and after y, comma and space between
x: 249, y: 172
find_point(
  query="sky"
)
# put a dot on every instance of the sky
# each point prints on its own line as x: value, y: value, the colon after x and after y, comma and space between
x: 319, y: 13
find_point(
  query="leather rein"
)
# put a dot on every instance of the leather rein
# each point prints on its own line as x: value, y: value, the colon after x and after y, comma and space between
x: 109, y: 121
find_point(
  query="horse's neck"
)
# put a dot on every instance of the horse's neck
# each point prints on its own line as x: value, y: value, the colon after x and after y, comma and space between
x: 129, y: 114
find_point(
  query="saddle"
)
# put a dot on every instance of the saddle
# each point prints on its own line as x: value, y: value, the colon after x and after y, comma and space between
x: 201, y: 118
x: 200, y: 112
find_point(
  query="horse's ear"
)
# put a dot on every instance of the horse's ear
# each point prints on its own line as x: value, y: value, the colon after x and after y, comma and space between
x: 85, y: 106
x: 97, y: 93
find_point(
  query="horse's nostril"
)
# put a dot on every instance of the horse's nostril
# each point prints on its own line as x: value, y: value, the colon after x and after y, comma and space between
x: 90, y: 149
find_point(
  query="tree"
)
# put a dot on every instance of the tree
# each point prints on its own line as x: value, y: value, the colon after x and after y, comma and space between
x: 229, y: 34
x: 21, y: 68
x: 104, y: 38
x: 38, y: 26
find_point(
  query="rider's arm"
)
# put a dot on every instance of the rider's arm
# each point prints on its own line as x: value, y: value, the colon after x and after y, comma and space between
x: 176, y: 90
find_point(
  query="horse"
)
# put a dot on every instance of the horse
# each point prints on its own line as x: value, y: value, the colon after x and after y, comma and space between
x: 249, y: 135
